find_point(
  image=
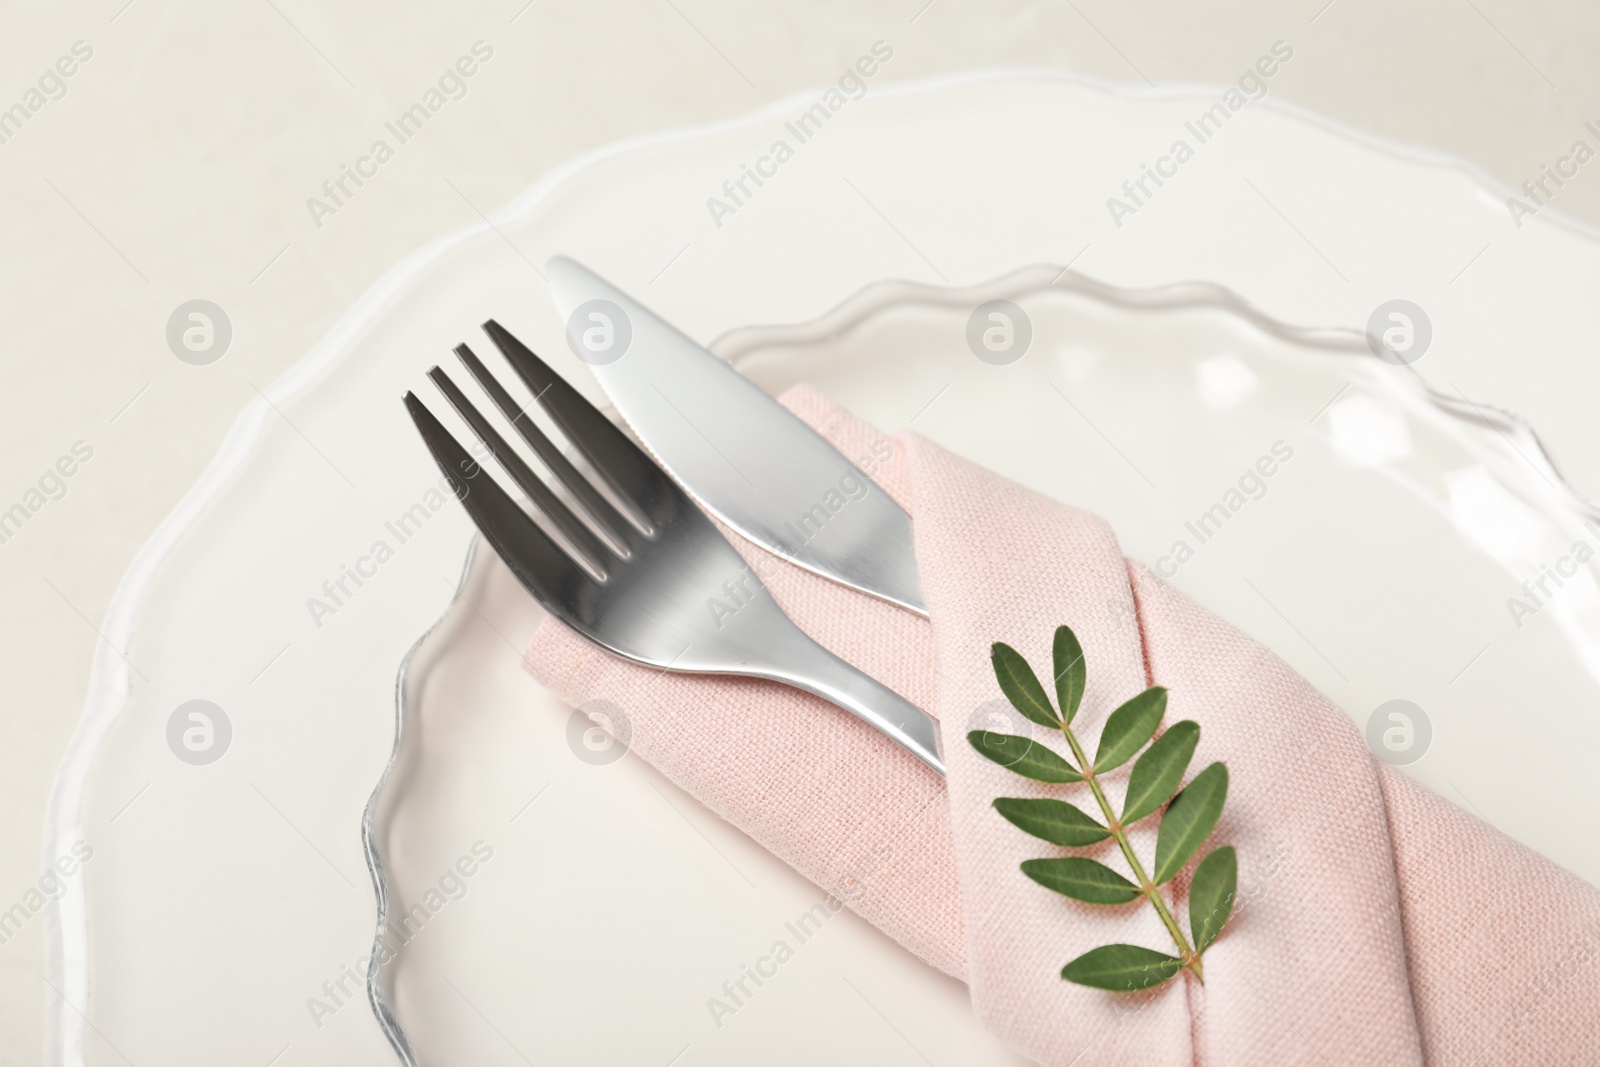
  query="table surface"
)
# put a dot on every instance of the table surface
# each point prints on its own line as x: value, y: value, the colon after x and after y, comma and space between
x: 179, y: 158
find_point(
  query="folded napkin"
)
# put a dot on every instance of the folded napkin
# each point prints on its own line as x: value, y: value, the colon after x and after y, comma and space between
x: 1375, y: 923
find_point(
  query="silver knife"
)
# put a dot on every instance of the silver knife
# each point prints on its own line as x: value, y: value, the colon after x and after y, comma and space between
x: 743, y: 456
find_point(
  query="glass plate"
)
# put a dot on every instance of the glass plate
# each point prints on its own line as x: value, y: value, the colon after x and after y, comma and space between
x: 1319, y: 498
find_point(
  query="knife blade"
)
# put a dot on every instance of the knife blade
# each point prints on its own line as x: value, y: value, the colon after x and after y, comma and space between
x: 743, y: 456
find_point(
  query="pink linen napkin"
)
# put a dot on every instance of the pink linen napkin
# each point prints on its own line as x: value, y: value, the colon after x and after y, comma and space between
x: 1376, y: 923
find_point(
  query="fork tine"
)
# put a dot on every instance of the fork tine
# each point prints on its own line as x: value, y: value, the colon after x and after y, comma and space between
x: 538, y: 562
x: 631, y: 473
x: 571, y: 527
x: 599, y: 508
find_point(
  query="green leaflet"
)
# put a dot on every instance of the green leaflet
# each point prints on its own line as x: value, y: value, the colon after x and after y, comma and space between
x: 1055, y: 821
x: 1189, y: 819
x: 1024, y: 756
x: 1021, y: 686
x: 1071, y: 671
x: 1129, y: 727
x: 1211, y: 894
x: 1081, y: 879
x: 1157, y: 773
x: 1123, y: 968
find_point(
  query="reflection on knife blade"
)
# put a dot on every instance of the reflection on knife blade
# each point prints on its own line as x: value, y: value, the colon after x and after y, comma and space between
x: 736, y: 450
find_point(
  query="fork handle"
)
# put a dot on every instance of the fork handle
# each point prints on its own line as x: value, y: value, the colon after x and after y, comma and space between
x: 813, y: 668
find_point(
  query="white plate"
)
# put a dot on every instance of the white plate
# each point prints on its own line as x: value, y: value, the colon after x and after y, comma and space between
x: 221, y: 898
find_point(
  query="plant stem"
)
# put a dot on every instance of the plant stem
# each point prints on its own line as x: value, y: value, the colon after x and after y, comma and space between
x: 1191, y: 959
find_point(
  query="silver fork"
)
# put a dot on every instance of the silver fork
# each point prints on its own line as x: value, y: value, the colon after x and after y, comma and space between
x: 653, y: 581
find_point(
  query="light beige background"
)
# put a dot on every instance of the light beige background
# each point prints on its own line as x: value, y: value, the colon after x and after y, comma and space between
x: 179, y: 162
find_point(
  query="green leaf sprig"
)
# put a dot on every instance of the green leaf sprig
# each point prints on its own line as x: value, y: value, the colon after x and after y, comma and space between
x: 1186, y: 823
